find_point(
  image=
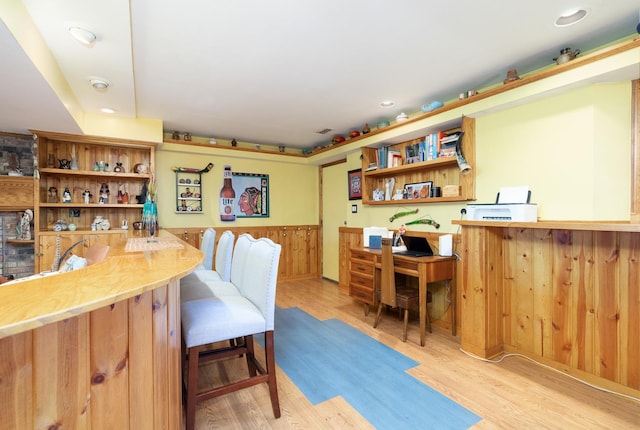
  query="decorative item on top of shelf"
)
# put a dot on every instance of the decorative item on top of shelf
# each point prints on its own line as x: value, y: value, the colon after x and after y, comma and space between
x: 354, y: 133
x: 187, y: 137
x: 378, y: 195
x: 24, y: 226
x: 566, y: 55
x: 257, y: 146
x: 140, y: 168
x: 60, y: 225
x: 66, y: 195
x: 104, y: 194
x: 467, y: 94
x: 212, y: 141
x: 512, y: 76
x: 123, y: 197
x: 337, y: 139
x: 52, y: 197
x: 101, y: 166
x: 175, y: 135
x: 280, y: 148
x: 462, y: 162
x: 355, y: 184
x: 431, y: 106
x: 399, y: 195
x: 402, y: 117
x: 65, y: 164
x: 383, y: 123
x: 72, y: 227
x: 86, y: 195
x: 234, y: 142
x: 366, y: 129
x: 124, y: 225
x: 118, y: 168
x: 418, y: 190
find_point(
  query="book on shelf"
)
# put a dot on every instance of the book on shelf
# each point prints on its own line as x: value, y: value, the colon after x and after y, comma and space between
x: 412, y: 153
x: 394, y: 157
x: 448, y: 144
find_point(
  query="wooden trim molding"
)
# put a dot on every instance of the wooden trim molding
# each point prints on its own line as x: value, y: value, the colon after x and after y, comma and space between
x: 635, y: 153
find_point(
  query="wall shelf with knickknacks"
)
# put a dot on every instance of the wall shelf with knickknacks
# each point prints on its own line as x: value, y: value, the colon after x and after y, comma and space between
x: 188, y: 192
x: 102, y: 177
x: 444, y: 172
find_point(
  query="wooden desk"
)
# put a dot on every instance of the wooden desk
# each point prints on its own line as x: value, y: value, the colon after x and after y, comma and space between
x: 426, y: 269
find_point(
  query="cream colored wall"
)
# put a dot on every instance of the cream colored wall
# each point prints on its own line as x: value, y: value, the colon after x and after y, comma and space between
x: 572, y: 150
x: 293, y: 186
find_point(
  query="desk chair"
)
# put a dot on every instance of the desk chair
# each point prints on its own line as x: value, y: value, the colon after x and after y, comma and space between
x: 225, y: 317
x: 402, y: 298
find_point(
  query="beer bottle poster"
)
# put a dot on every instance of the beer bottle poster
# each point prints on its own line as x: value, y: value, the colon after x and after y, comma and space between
x: 252, y: 195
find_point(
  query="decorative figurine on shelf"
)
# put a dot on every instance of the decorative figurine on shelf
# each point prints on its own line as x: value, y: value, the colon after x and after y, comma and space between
x: 65, y: 164
x: 187, y: 137
x: 512, y: 75
x: 104, y: 194
x: 123, y: 196
x: 118, y: 168
x: 87, y: 196
x: 124, y: 225
x: 24, y: 228
x: 142, y: 197
x: 53, y: 195
x: 74, y: 160
x: 175, y: 135
x: 234, y: 142
x: 366, y: 129
x: 66, y: 195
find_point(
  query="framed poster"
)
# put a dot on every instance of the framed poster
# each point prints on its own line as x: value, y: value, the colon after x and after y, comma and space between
x: 252, y: 195
x: 355, y: 184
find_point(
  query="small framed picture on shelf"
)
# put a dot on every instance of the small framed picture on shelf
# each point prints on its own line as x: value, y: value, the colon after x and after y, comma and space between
x: 418, y: 190
x: 355, y: 184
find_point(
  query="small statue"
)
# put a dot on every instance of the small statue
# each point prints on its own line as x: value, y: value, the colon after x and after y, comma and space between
x: 234, y: 142
x: 65, y: 164
x: 66, y: 195
x: 187, y: 137
x: 366, y: 129
x: 87, y: 196
x: 175, y: 135
x: 104, y: 194
x: 118, y: 168
x: 53, y: 195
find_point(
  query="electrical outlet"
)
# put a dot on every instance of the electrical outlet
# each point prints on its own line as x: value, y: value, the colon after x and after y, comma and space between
x: 354, y: 209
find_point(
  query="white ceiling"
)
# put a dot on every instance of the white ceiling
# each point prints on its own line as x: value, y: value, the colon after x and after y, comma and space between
x: 277, y: 72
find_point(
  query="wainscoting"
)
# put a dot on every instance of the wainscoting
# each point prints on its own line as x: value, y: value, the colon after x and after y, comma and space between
x: 301, y: 246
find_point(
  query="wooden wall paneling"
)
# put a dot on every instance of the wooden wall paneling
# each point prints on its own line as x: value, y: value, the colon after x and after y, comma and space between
x: 629, y: 315
x: 583, y: 348
x: 174, y: 352
x: 560, y: 310
x: 607, y: 296
x: 140, y: 350
x: 109, y: 370
x: 635, y: 152
x: 16, y: 382
x: 543, y: 289
x: 509, y: 304
x: 160, y: 356
x: 61, y: 371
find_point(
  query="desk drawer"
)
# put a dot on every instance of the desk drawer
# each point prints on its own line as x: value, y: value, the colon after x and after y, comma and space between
x: 361, y: 280
x: 362, y: 255
x: 362, y: 267
x: 362, y: 293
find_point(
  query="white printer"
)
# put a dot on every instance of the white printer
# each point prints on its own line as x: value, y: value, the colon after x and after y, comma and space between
x: 512, y: 204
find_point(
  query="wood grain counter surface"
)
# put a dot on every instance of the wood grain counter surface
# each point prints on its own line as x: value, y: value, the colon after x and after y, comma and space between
x: 31, y: 304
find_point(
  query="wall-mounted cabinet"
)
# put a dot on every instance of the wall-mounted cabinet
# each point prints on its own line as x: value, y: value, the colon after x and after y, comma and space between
x: 439, y: 172
x: 103, y: 177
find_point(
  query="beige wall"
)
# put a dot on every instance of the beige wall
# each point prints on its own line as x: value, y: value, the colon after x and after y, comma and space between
x: 293, y: 185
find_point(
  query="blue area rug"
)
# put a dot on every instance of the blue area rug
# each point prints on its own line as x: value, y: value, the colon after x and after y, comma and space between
x: 329, y: 358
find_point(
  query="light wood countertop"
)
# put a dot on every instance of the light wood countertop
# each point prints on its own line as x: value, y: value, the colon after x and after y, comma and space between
x: 622, y: 226
x: 31, y: 304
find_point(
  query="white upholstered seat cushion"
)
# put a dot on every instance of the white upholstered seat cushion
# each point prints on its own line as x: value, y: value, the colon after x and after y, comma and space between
x: 218, y: 319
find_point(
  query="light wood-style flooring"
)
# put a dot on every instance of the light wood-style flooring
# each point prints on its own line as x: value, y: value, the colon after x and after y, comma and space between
x: 515, y: 394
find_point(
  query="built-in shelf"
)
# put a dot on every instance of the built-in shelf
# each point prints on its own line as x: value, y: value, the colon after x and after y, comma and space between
x: 623, y: 226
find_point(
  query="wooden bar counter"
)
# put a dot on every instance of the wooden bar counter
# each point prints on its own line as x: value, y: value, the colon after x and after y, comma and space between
x: 97, y: 348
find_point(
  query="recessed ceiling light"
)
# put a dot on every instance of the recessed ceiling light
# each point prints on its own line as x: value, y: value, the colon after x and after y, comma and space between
x: 108, y: 110
x: 99, y: 84
x: 387, y: 104
x: 83, y: 36
x: 571, y: 17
